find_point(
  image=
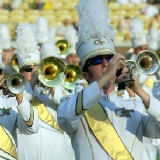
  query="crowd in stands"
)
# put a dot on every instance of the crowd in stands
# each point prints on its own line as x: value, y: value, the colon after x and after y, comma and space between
x: 121, y: 12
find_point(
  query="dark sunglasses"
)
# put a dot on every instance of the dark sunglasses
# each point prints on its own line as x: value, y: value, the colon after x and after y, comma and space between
x: 1, y: 71
x: 27, y: 69
x: 99, y: 59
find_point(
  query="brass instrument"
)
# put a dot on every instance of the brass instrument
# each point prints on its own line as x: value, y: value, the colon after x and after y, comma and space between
x: 147, y: 62
x: 73, y: 73
x: 51, y: 71
x: 16, y: 83
x: 158, y: 54
x: 14, y: 63
x: 63, y: 47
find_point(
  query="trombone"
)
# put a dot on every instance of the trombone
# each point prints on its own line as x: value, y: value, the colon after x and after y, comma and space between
x: 73, y: 73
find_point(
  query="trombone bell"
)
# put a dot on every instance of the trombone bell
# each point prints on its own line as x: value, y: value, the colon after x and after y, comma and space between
x: 16, y: 83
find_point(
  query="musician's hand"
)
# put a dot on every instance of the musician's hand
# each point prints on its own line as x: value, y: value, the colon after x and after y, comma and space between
x: 19, y: 98
x: 130, y: 92
x: 109, y: 76
x: 135, y: 86
x: 125, y: 74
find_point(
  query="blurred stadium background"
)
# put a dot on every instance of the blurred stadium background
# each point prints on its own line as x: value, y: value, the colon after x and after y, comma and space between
x: 14, y: 12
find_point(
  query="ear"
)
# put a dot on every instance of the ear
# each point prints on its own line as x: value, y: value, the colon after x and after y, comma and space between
x: 86, y: 76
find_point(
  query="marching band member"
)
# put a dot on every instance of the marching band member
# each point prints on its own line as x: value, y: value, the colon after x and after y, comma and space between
x: 102, y: 128
x: 50, y: 142
x: 15, y: 112
x: 139, y: 43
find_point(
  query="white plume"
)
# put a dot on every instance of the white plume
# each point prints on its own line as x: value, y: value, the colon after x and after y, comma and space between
x: 136, y: 28
x: 52, y: 34
x: 42, y: 30
x: 94, y: 20
x: 26, y: 41
x: 49, y: 50
x: 5, y: 36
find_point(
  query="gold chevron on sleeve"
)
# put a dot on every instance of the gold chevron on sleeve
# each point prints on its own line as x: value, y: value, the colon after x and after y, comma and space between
x: 30, y: 121
x: 6, y: 144
x: 79, y: 104
x: 105, y: 133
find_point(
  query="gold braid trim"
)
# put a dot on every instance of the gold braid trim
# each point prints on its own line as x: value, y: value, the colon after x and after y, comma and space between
x: 79, y: 104
x: 44, y: 114
x: 6, y: 144
x: 106, y: 134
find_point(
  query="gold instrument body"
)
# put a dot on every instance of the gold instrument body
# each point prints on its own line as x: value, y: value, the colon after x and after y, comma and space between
x: 147, y: 62
x: 14, y: 63
x: 16, y: 83
x: 63, y: 47
x: 73, y: 73
x: 51, y: 71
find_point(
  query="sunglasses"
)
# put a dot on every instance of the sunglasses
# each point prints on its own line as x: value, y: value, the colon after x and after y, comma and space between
x: 99, y: 59
x: 27, y: 69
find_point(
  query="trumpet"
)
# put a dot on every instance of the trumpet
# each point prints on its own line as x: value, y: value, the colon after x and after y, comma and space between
x: 73, y: 73
x: 16, y: 83
x: 14, y: 63
x: 147, y: 62
x: 51, y: 71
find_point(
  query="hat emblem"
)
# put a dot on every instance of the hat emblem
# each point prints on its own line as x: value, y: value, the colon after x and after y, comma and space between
x: 98, y: 42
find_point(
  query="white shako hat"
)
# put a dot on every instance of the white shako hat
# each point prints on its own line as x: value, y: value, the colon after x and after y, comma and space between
x: 138, y: 37
x: 27, y: 48
x: 49, y: 50
x: 42, y: 30
x: 153, y: 39
x: 96, y: 36
x: 5, y: 37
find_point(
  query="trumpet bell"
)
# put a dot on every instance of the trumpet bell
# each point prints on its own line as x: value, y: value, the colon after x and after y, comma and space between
x: 14, y: 63
x: 16, y: 83
x: 147, y: 62
x: 51, y: 71
x: 73, y: 73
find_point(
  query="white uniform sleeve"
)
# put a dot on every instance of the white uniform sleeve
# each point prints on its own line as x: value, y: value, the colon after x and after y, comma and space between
x: 27, y: 118
x: 151, y: 122
x: 70, y: 110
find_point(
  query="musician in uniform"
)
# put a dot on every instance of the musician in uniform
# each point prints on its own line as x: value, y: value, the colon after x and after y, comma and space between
x: 51, y: 142
x: 102, y: 127
x: 15, y: 112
